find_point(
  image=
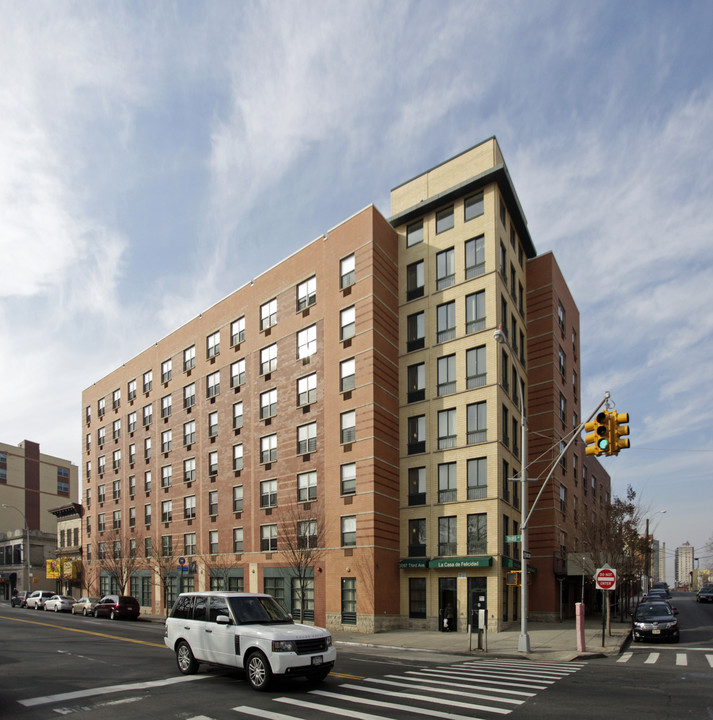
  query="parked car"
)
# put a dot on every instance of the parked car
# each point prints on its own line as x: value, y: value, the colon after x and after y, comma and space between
x: 36, y: 601
x: 85, y: 605
x: 655, y: 620
x: 19, y: 599
x: 705, y: 594
x: 249, y: 631
x: 59, y: 603
x: 660, y: 591
x: 117, y: 606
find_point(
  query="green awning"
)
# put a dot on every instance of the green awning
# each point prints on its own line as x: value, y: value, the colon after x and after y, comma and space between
x: 462, y: 562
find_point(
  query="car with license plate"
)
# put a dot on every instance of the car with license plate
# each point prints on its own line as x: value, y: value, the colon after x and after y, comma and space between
x: 118, y: 606
x: 705, y: 594
x: 85, y: 605
x: 36, y: 600
x: 19, y: 599
x: 655, y: 620
x: 247, y: 631
x: 59, y: 603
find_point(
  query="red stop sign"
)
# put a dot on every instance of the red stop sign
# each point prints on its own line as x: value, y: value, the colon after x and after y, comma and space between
x: 606, y: 579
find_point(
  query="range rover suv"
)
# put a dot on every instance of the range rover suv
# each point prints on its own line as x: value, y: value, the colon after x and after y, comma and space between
x: 250, y: 631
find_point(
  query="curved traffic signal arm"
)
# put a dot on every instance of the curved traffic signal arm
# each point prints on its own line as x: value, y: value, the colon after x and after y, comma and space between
x: 617, y: 431
x: 598, y: 440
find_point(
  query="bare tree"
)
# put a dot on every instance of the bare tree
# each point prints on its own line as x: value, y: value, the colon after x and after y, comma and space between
x: 219, y: 566
x: 116, y: 558
x: 302, y: 542
x: 164, y: 562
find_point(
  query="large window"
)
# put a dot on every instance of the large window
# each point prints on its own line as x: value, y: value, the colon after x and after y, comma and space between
x: 189, y: 358
x: 307, y: 342
x: 307, y: 486
x: 414, y: 233
x: 268, y: 404
x: 475, y: 375
x: 346, y: 271
x: 473, y: 206
x: 417, y: 486
x: 268, y: 493
x: 417, y: 597
x: 347, y: 375
x: 348, y: 426
x: 477, y: 534
x: 447, y: 431
x: 348, y: 478
x: 268, y: 359
x: 349, y: 531
x: 477, y: 478
x: 268, y: 314
x: 237, y: 331
x: 238, y: 534
x: 447, y: 536
x: 213, y: 384
x: 474, y: 257
x: 307, y: 438
x: 415, y: 281
x: 189, y: 395
x: 237, y: 457
x: 237, y: 373
x: 189, y: 432
x: 268, y: 449
x: 347, y: 323
x: 416, y: 433
x: 445, y: 269
x: 307, y: 390
x: 166, y: 370
x: 446, y: 322
x: 475, y: 312
x: 238, y: 496
x: 444, y: 220
x: 189, y: 507
x: 416, y: 382
x: 268, y: 538
x: 415, y: 331
x: 307, y: 293
x: 417, y: 537
x: 447, y: 483
x: 477, y: 423
x: 446, y: 375
x: 213, y: 345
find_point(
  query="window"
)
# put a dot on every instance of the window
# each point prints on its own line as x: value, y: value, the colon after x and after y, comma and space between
x: 415, y: 281
x: 148, y: 381
x: 349, y: 531
x: 417, y: 486
x: 102, y: 464
x: 116, y: 429
x: 417, y: 537
x: 237, y: 331
x: 116, y: 460
x: 268, y: 449
x: 447, y: 536
x: 505, y: 367
x: 166, y: 545
x: 444, y: 220
x: 445, y: 269
x: 447, y: 433
x: 416, y: 434
x: 237, y: 540
x: 166, y: 406
x: 306, y: 536
x: 346, y: 271
x: 148, y: 415
x: 237, y: 415
x: 132, y: 517
x: 189, y: 507
x: 166, y: 370
x: 415, y: 331
x: 213, y: 384
x: 237, y: 373
x: 147, y: 515
x: 446, y: 375
x: 473, y: 206
x: 132, y: 422
x: 213, y: 345
x: 189, y: 544
x: 238, y: 499
x: 87, y: 472
x: 475, y: 312
x: 348, y: 426
x: 132, y: 485
x: 347, y: 323
x: 213, y: 424
x: 563, y: 499
x: 562, y: 363
x: 268, y: 538
x: 166, y: 511
x: 347, y: 375
x: 189, y: 432
x: 237, y: 457
x: 189, y: 395
x: 417, y: 597
x: 88, y: 414
x: 477, y: 478
x: 101, y: 522
x: 213, y: 502
x: 268, y: 359
x: 306, y: 390
x: 477, y: 534
x: 563, y: 408
x: 475, y: 375
x: 166, y: 476
x: 131, y: 389
x: 446, y: 322
x: 307, y: 342
x: 116, y: 399
x: 115, y: 488
x: 307, y: 486
x: 166, y: 441
x: 447, y: 483
x: 348, y: 478
x: 147, y: 482
x: 349, y: 601
x: 101, y: 407
x: 560, y: 316
x: 477, y: 423
x: 416, y: 382
x: 414, y: 233
x: 213, y: 463
x: 189, y: 358
x: 101, y: 436
x: 307, y: 293
x: 268, y: 493
x: 307, y: 438
x: 503, y: 261
x: 189, y: 470
x: 268, y: 314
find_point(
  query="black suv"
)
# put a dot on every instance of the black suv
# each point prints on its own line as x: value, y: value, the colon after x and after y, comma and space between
x: 117, y: 606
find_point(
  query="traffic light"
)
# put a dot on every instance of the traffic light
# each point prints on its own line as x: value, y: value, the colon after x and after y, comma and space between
x: 597, y: 442
x: 617, y: 430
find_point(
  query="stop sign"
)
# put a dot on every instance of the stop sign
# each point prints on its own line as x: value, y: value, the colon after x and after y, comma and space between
x: 605, y: 578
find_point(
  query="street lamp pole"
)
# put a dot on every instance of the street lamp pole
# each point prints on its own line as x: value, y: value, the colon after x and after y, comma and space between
x: 523, y: 644
x: 27, y: 543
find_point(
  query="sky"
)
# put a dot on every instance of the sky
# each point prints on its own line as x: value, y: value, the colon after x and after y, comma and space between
x: 156, y: 156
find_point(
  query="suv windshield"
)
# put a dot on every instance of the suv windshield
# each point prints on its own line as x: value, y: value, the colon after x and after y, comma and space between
x: 649, y: 611
x: 257, y: 610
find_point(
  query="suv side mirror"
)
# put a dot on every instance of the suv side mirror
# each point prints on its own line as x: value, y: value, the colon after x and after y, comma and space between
x: 223, y: 620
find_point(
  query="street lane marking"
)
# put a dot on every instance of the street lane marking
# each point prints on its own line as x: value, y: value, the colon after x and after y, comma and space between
x: 449, y: 683
x: 651, y: 659
x: 466, y: 679
x: 710, y: 659
x: 681, y: 659
x: 85, y: 632
x: 106, y: 690
x: 626, y: 657
x: 462, y: 693
x: 345, y: 676
x: 259, y: 712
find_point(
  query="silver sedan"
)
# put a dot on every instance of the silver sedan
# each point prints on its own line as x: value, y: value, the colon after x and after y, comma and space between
x: 60, y: 603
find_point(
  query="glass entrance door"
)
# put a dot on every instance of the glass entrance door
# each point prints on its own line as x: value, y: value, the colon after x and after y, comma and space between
x: 447, y: 604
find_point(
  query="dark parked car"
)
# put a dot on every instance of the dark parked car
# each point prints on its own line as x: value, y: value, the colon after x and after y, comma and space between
x: 655, y: 620
x: 117, y: 606
x: 705, y: 594
x: 19, y: 599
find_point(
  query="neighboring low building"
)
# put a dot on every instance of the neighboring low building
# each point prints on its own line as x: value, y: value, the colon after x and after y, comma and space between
x: 66, y: 568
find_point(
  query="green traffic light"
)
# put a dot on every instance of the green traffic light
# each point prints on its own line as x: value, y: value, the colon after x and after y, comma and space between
x: 603, y: 444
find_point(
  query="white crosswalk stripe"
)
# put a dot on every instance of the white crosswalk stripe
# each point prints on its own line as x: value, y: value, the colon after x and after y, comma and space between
x: 651, y: 659
x: 692, y: 658
x: 710, y: 659
x: 681, y: 659
x: 471, y: 690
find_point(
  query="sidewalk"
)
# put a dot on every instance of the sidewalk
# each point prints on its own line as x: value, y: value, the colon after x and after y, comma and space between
x: 549, y: 642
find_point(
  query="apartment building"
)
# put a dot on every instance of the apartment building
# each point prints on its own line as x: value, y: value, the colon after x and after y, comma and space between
x: 31, y: 483
x: 683, y: 565
x: 578, y: 489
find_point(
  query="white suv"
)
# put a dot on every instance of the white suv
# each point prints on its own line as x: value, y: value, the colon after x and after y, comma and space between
x: 249, y: 631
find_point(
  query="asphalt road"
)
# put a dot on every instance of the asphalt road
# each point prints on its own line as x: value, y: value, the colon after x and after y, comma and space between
x: 55, y: 665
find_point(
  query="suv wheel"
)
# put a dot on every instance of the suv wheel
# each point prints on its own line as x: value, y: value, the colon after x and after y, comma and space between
x: 187, y: 664
x: 84, y: 612
x: 258, y: 671
x: 113, y: 615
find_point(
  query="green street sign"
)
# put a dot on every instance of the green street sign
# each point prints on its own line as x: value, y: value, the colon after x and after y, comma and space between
x: 513, y: 538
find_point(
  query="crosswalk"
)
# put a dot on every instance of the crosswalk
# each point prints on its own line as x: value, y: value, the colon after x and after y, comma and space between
x: 465, y: 691
x: 702, y: 660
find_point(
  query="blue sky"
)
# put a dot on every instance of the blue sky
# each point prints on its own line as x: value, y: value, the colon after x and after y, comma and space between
x: 156, y: 156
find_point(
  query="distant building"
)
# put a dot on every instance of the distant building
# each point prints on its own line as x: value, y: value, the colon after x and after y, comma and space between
x: 30, y: 484
x: 683, y: 569
x: 67, y: 567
